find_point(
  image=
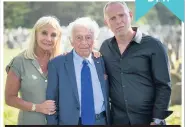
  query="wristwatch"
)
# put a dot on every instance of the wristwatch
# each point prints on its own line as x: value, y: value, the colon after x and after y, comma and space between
x: 159, y: 122
x: 33, y: 108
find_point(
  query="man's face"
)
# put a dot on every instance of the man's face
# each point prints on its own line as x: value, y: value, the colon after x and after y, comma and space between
x: 82, y: 40
x: 118, y: 19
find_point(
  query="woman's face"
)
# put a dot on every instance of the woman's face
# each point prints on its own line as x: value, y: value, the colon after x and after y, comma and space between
x: 47, y: 37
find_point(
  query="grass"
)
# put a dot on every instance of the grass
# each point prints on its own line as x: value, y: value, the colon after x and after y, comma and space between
x: 11, y: 114
x: 175, y: 118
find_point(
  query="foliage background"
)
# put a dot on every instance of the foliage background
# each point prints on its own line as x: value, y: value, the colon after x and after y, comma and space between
x: 25, y: 14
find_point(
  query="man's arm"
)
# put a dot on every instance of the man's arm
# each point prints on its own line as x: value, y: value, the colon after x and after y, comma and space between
x: 161, y: 78
x: 52, y: 92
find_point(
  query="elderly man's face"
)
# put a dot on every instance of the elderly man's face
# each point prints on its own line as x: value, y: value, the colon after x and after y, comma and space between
x: 82, y: 40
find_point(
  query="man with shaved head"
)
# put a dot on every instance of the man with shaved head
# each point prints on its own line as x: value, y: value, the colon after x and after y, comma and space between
x: 137, y: 69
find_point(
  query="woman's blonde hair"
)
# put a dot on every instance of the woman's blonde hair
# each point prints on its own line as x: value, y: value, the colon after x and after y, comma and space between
x: 54, y: 22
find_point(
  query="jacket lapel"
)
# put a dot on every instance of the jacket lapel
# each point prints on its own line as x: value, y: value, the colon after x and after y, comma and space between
x: 100, y: 72
x: 71, y: 73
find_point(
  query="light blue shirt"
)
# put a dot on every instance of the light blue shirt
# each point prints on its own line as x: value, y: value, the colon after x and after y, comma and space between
x: 97, y: 91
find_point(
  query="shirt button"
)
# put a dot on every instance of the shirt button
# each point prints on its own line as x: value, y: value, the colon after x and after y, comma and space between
x: 122, y: 73
x: 46, y: 80
x: 123, y: 86
x: 125, y: 100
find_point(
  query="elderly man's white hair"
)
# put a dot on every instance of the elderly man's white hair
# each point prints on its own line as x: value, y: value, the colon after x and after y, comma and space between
x: 114, y: 2
x: 86, y: 22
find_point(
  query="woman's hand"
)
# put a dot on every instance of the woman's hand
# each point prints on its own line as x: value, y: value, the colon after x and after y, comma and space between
x: 48, y: 107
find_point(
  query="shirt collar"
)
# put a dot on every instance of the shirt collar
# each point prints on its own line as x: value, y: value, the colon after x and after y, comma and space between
x: 138, y: 36
x: 80, y: 59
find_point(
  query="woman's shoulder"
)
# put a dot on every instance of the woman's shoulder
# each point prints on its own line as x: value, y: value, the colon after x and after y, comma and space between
x: 20, y: 56
x: 15, y: 61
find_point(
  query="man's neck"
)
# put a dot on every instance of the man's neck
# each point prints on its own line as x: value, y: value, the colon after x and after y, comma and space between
x: 125, y: 39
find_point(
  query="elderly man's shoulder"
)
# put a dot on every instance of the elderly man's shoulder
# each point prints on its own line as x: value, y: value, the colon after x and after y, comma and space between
x: 58, y: 59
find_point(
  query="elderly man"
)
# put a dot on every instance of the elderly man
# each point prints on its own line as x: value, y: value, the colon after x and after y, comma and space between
x: 137, y: 68
x: 76, y: 81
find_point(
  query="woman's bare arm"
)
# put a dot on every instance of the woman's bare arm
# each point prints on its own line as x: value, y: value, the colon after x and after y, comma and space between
x: 11, y: 97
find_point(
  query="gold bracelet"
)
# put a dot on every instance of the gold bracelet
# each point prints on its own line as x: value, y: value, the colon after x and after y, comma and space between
x: 33, y: 108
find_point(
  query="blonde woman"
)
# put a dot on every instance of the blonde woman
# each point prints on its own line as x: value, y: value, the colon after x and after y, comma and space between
x: 27, y: 73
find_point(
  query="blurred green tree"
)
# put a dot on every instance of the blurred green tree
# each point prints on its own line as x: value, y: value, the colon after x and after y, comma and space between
x: 25, y: 14
x: 14, y: 13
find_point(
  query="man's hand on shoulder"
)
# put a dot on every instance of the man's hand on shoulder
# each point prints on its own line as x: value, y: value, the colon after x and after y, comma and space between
x: 96, y: 54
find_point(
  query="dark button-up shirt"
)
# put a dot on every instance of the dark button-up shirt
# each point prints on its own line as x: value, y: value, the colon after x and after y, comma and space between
x: 139, y: 78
